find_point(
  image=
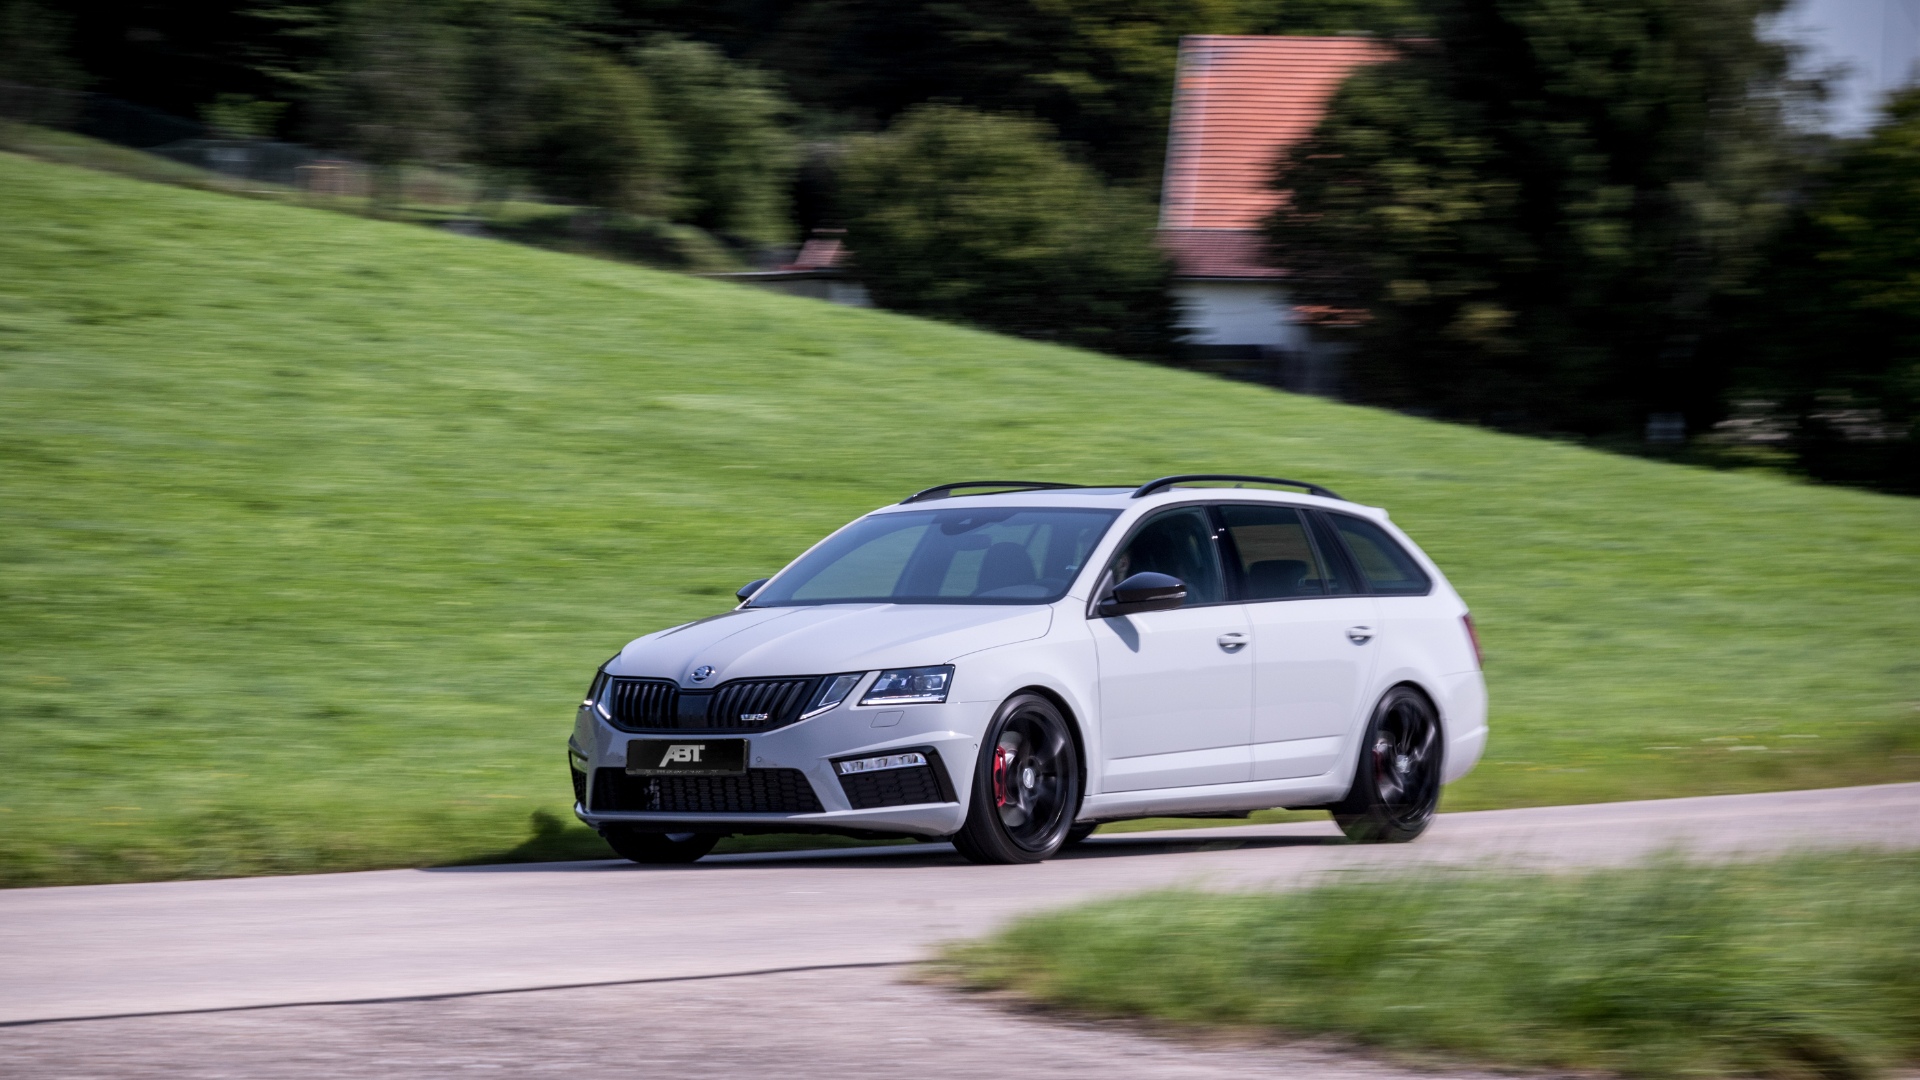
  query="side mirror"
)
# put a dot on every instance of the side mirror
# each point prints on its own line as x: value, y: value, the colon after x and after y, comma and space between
x: 746, y: 591
x: 1146, y: 591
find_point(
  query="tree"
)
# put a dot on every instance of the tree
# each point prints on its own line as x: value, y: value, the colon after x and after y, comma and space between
x: 518, y: 55
x: 983, y: 219
x: 1100, y: 72
x: 730, y: 121
x: 601, y: 139
x: 1831, y: 333
x: 1536, y: 206
x: 393, y: 96
x: 34, y: 46
x: 35, y: 69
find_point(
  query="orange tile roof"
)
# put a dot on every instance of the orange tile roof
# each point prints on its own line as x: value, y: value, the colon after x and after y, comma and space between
x: 1218, y: 253
x: 1237, y: 102
x: 821, y: 251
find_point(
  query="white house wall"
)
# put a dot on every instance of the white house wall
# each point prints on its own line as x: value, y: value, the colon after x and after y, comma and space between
x: 1237, y: 313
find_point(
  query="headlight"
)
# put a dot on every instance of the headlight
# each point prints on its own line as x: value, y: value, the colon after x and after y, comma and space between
x: 833, y: 690
x: 600, y: 695
x: 910, y: 686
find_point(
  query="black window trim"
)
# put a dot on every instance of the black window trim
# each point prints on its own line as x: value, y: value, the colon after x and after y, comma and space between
x: 1353, y: 561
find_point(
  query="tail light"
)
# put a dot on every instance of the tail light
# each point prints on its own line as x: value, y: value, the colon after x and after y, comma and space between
x: 1473, y: 636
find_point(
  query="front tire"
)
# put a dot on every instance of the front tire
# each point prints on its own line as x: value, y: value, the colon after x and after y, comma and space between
x: 1026, y: 786
x: 652, y: 848
x: 1396, y: 782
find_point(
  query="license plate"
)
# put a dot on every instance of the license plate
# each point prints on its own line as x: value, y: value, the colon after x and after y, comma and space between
x: 686, y: 757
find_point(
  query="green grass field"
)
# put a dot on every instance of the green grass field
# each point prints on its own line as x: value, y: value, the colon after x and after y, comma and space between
x: 314, y: 528
x: 1801, y: 969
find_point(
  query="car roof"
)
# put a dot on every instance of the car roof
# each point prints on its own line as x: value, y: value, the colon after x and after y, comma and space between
x: 1122, y: 498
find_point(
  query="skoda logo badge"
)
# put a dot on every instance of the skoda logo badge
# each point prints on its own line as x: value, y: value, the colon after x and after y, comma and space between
x: 703, y: 673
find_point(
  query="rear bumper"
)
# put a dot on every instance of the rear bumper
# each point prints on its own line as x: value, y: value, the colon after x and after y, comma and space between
x: 1464, y: 717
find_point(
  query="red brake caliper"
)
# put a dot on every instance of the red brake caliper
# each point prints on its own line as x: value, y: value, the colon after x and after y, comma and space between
x: 1002, y: 761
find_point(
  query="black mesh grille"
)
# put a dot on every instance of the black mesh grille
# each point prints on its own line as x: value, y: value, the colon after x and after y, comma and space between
x: 893, y: 787
x: 743, y: 705
x: 759, y: 791
x: 579, y: 785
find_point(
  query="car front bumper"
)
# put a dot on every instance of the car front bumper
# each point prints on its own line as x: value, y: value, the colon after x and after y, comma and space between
x: 802, y: 752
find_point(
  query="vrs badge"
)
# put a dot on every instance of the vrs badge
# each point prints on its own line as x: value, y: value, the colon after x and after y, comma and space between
x: 686, y: 757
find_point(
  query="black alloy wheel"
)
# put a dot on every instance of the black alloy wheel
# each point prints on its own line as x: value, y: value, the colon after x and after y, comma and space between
x: 1396, y: 782
x: 1026, y: 786
x: 658, y: 847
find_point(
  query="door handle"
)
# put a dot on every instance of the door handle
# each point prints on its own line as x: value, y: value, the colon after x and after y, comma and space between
x: 1233, y: 642
x: 1359, y: 635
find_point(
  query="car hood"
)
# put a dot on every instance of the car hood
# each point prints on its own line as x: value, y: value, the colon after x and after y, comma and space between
x: 762, y: 642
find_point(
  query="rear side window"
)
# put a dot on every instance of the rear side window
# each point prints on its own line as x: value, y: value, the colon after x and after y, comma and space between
x: 1180, y: 543
x: 1385, y: 564
x: 1276, y: 558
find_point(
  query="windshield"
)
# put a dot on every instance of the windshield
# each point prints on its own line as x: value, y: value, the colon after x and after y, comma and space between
x: 989, y: 555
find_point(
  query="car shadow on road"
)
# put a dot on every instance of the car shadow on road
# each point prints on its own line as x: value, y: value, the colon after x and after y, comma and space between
x: 1124, y: 845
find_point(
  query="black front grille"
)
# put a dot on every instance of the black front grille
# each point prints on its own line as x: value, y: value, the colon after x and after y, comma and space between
x: 643, y: 703
x: 757, y: 704
x: 759, y: 791
x: 742, y: 705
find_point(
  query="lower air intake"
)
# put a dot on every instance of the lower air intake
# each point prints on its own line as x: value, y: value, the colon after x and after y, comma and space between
x: 893, y: 787
x: 759, y: 791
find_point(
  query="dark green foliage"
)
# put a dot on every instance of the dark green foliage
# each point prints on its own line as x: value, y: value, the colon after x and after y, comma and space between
x: 982, y: 219
x: 520, y: 54
x: 1832, y: 334
x: 1537, y: 206
x: 34, y: 46
x: 599, y: 139
x: 1099, y: 72
x: 1803, y: 968
x: 736, y: 158
x: 393, y: 94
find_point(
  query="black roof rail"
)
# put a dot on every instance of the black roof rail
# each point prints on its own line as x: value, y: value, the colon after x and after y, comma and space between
x: 946, y: 490
x: 1166, y: 482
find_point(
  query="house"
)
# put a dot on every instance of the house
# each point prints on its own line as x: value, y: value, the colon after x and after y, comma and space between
x: 818, y: 271
x: 1238, y: 101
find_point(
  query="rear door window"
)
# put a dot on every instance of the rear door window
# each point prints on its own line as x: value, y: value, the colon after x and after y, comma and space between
x: 1388, y: 568
x: 1277, y: 559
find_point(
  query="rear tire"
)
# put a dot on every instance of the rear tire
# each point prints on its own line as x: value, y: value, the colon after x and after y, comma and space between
x: 1080, y: 832
x: 1396, y: 782
x: 1026, y: 786
x: 653, y: 848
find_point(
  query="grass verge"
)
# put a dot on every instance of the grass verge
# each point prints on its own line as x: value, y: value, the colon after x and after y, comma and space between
x: 1807, y: 967
x: 313, y: 529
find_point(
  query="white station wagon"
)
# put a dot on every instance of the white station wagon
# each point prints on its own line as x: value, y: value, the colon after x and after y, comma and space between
x: 1007, y: 669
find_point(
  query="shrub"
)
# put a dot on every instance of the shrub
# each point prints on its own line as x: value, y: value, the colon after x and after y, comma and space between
x: 984, y: 219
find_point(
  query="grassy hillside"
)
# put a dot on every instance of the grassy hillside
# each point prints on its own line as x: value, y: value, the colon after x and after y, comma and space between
x: 314, y: 528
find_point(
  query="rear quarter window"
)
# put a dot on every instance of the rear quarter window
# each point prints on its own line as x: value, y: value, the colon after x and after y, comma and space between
x: 1388, y: 568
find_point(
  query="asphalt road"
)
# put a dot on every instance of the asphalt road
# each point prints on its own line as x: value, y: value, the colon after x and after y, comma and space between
x: 577, y: 957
